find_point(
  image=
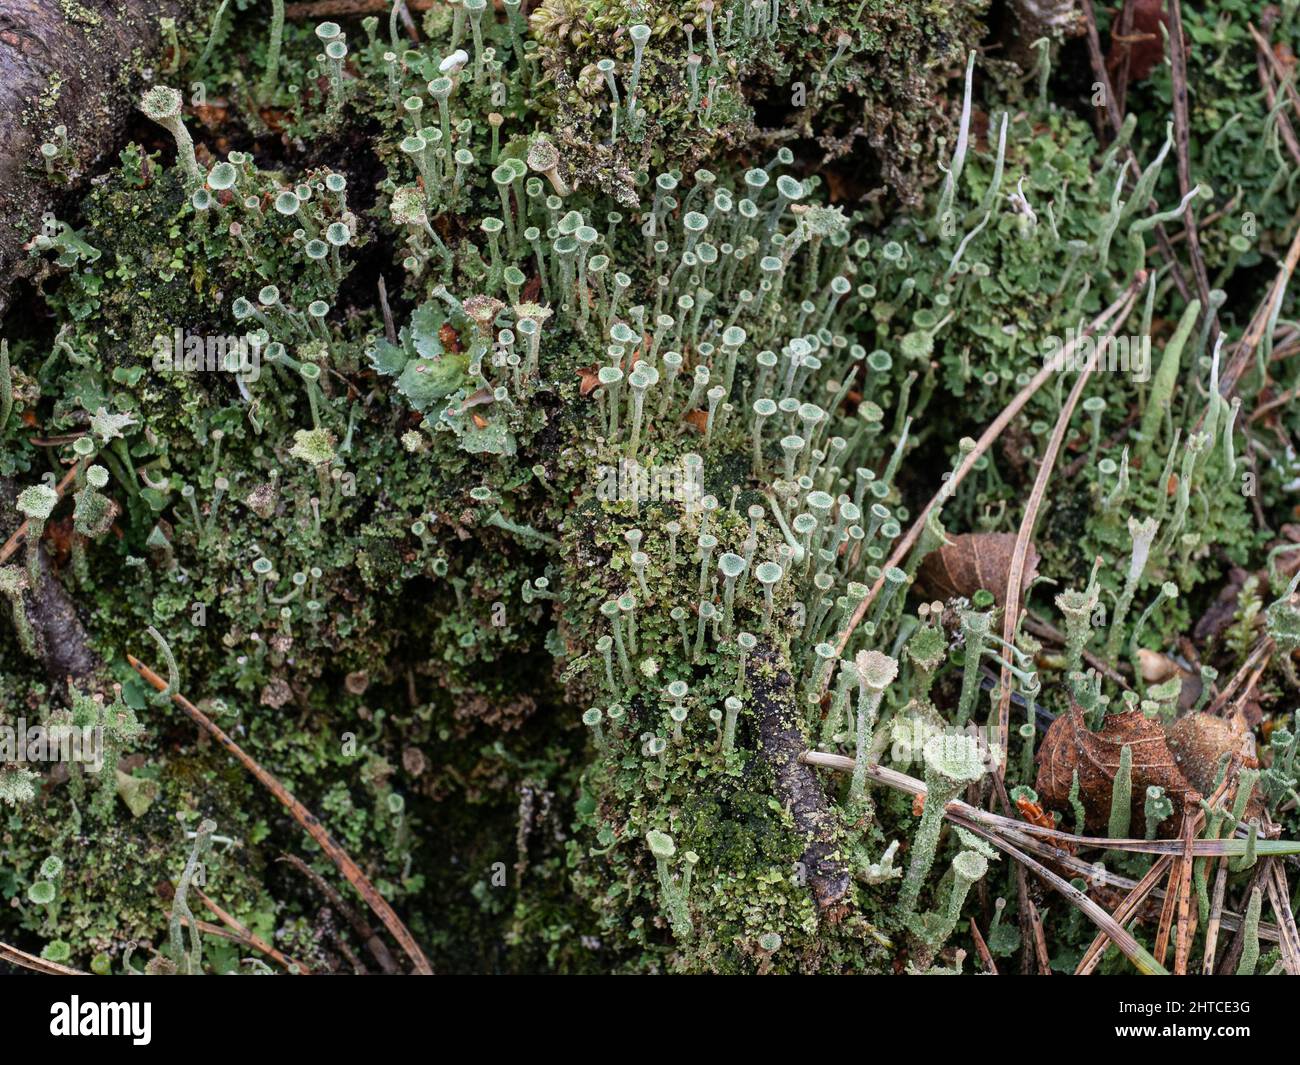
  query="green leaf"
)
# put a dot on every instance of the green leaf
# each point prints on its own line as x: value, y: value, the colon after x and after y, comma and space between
x: 426, y: 322
x: 387, y: 359
x: 425, y: 381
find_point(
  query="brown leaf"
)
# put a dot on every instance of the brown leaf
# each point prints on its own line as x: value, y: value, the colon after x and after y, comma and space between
x: 973, y: 561
x: 478, y: 398
x: 1146, y: 41
x: 590, y: 380
x: 1069, y: 745
x: 1156, y: 668
x: 1199, y: 741
x: 698, y: 418
x: 449, y: 337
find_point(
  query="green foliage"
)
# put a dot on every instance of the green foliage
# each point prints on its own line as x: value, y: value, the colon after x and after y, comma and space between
x: 514, y: 486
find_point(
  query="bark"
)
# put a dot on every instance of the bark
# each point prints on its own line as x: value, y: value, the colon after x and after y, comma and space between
x: 62, y: 643
x: 60, y: 636
x: 782, y: 741
x: 76, y: 63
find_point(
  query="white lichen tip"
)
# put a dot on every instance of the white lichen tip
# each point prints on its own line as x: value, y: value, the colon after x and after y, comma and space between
x: 38, y: 501
x: 876, y: 669
x: 454, y: 63
x: 162, y: 103
x: 661, y: 844
x: 109, y: 426
x: 970, y: 866
x: 957, y: 757
x: 313, y: 446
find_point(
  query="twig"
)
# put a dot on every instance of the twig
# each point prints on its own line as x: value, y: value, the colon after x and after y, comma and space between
x: 1122, y: 34
x: 1264, y: 650
x: 1019, y: 555
x: 1280, y: 899
x: 1182, y: 140
x: 1270, y: 97
x: 1116, y: 123
x: 1201, y: 848
x: 251, y: 938
x: 1228, y: 963
x: 317, y: 9
x: 1283, y: 400
x: 11, y: 545
x: 390, y: 330
x: 977, y: 821
x: 38, y: 965
x: 1266, y: 52
x: 342, y: 861
x: 983, y: 949
x: 1216, y: 918
x: 1186, y: 920
x: 377, y: 947
x: 985, y: 441
x: 1260, y: 320
x: 1038, y: 935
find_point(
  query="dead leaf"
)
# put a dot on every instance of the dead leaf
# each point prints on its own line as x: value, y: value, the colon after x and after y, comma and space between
x: 1156, y: 668
x: 973, y: 561
x: 590, y: 379
x: 698, y: 418
x: 478, y: 398
x: 1145, y: 42
x: 1070, y: 745
x: 1199, y: 741
x: 1034, y: 813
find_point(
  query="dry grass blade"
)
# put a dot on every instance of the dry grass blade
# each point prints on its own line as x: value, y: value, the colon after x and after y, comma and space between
x: 1216, y: 919
x: 1024, y: 538
x: 1201, y: 848
x: 37, y: 965
x: 982, y: 445
x: 249, y: 937
x: 1118, y: 934
x: 976, y: 821
x: 341, y: 859
x: 1124, y: 912
x: 1280, y: 900
x: 1186, y: 918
